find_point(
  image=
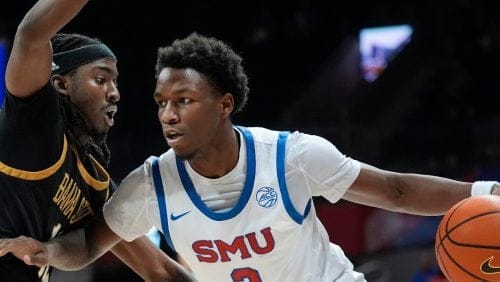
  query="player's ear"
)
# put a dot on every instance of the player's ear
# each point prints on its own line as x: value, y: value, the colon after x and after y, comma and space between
x: 227, y: 103
x: 59, y: 83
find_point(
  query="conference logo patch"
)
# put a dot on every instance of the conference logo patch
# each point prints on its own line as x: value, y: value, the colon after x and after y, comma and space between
x: 266, y: 197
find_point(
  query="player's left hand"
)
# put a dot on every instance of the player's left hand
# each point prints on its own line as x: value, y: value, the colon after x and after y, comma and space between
x: 27, y: 249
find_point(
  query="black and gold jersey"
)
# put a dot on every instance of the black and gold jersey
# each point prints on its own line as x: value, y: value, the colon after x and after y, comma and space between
x: 46, y: 188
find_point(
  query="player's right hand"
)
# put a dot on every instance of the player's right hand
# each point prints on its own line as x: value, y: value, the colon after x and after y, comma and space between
x: 27, y: 249
x: 496, y: 189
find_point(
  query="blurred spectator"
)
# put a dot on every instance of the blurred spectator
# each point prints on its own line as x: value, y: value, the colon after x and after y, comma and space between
x: 428, y: 270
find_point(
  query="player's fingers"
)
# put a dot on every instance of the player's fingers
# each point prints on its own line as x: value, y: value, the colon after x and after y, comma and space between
x: 2, y: 247
x: 5, y: 246
x: 39, y: 260
x: 20, y: 246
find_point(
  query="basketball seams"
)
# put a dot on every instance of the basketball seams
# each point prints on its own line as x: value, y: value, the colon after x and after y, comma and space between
x: 450, y: 231
x: 444, y: 269
x: 452, y: 254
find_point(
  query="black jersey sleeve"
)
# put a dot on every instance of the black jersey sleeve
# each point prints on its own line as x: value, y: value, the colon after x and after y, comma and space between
x: 26, y: 125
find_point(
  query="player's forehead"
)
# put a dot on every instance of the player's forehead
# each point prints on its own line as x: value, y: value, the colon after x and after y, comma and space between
x: 181, y: 79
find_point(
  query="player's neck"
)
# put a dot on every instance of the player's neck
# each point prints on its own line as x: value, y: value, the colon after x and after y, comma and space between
x: 221, y: 157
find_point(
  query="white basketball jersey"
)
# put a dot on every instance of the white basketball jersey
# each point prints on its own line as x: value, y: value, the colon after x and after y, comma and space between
x: 263, y: 237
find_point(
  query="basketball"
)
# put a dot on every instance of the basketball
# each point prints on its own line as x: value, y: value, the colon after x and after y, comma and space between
x: 468, y: 240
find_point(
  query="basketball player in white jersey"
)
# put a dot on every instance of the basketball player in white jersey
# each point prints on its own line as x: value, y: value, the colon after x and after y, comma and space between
x: 236, y: 202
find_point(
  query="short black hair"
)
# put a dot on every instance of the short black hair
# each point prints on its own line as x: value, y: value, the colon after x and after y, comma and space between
x: 211, y: 57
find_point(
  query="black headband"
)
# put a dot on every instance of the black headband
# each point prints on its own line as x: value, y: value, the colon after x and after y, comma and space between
x: 67, y: 60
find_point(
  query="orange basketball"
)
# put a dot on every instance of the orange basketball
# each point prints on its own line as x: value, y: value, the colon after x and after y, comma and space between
x: 468, y: 240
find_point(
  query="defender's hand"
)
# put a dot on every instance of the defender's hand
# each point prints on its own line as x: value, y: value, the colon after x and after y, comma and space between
x: 27, y: 249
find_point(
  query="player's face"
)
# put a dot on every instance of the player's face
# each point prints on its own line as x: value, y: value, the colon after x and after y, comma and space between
x: 190, y: 110
x: 93, y: 89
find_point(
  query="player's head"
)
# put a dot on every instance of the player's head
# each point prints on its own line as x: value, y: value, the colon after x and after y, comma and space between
x: 200, y: 83
x: 211, y: 57
x: 84, y: 71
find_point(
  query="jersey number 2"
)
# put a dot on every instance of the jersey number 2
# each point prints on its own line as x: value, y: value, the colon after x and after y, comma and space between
x: 245, y: 274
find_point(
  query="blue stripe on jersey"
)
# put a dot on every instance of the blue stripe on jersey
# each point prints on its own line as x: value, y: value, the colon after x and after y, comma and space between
x: 247, y: 188
x: 162, y: 205
x: 280, y: 163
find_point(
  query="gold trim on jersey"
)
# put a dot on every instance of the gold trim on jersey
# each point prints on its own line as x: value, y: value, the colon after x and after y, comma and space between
x: 98, y: 185
x: 35, y: 175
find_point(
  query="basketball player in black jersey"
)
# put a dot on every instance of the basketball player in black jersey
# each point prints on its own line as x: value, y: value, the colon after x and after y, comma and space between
x: 62, y: 97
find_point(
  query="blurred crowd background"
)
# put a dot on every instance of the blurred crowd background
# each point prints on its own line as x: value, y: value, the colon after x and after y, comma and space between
x: 430, y: 107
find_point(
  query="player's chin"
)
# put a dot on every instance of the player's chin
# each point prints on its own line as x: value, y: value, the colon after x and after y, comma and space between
x: 101, y: 127
x: 104, y: 128
x: 183, y: 154
x: 101, y: 133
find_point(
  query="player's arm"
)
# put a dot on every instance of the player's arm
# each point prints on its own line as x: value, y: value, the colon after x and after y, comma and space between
x: 71, y: 251
x: 126, y: 215
x: 80, y: 247
x: 409, y: 193
x: 29, y: 65
x: 150, y: 262
x: 338, y: 176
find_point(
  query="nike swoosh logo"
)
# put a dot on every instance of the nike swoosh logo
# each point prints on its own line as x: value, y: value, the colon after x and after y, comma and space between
x: 487, y: 268
x: 176, y: 217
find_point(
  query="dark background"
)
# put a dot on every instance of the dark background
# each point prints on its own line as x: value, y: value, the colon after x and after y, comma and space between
x: 444, y: 83
x: 434, y: 109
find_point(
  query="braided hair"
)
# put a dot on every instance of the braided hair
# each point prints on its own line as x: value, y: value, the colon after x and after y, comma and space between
x: 212, y: 58
x: 76, y: 129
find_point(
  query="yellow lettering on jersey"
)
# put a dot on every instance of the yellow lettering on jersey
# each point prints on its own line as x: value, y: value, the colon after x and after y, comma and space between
x: 70, y: 201
x: 62, y: 188
x: 65, y: 196
x: 83, y: 210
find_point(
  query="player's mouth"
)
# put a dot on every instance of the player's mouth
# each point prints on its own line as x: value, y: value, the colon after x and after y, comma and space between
x: 172, y: 136
x: 110, y: 113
